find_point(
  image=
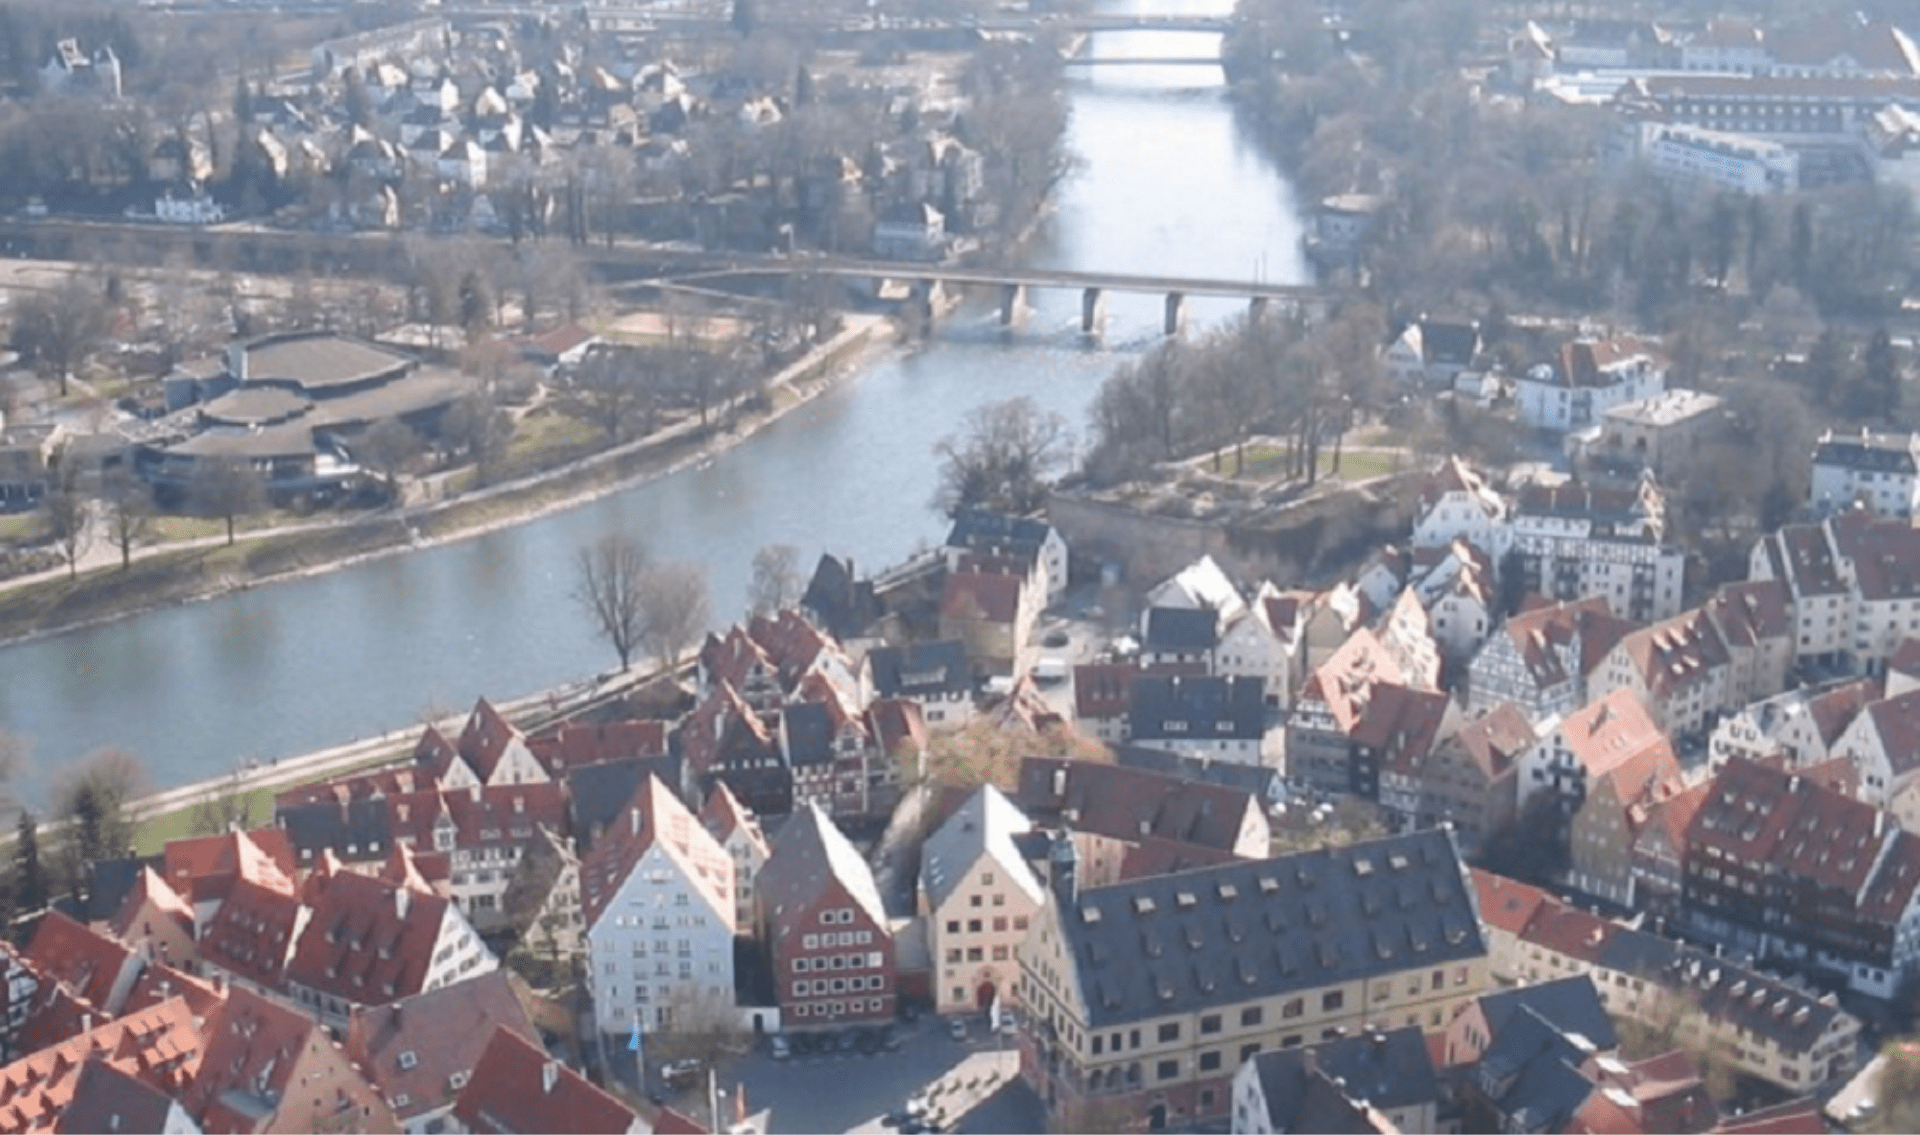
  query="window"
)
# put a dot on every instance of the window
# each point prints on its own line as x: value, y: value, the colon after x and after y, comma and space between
x: 999, y: 926
x: 953, y: 957
x: 801, y: 965
x: 973, y: 900
x: 810, y: 942
x: 1210, y: 1024
x: 953, y: 926
x: 1293, y: 1008
x: 1169, y: 1032
x: 1133, y: 1038
x: 999, y: 953
x: 1096, y: 1040
x: 1166, y: 1070
x: 1210, y: 1061
x: 976, y: 954
x: 1250, y: 1017
x: 973, y: 926
x: 1332, y: 1001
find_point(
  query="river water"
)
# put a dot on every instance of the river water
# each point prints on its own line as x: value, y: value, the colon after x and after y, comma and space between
x: 1168, y: 186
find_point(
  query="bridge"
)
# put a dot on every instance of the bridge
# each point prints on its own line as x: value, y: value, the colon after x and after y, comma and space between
x: 1142, y: 61
x: 632, y: 18
x: 1014, y: 283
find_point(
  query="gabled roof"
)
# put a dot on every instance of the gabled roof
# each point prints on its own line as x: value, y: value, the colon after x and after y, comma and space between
x: 486, y: 740
x: 1505, y: 904
x: 1494, y: 740
x: 367, y: 941
x: 415, y: 1046
x: 974, y: 595
x: 1345, y: 681
x: 246, y: 1076
x: 1180, y: 630
x: 88, y: 962
x: 1374, y: 1071
x: 1401, y: 724
x: 809, y: 855
x: 516, y: 1087
x: 1808, y: 833
x: 1454, y: 475
x: 158, y: 1047
x: 1132, y: 803
x: 1605, y: 734
x: 160, y: 982
x: 1103, y: 689
x: 983, y: 828
x: 497, y: 816
x: 150, y: 898
x: 251, y: 935
x: 1201, y: 585
x: 1180, y: 943
x: 725, y: 816
x: 108, y: 1099
x: 919, y: 670
x: 202, y: 866
x: 655, y: 819
x: 1174, y: 709
x: 597, y: 793
x: 975, y: 528
x: 578, y: 744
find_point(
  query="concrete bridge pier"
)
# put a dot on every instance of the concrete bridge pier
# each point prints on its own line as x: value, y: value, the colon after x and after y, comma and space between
x: 1257, y: 308
x: 1013, y: 304
x: 923, y: 306
x: 1093, y: 311
x: 1176, y: 312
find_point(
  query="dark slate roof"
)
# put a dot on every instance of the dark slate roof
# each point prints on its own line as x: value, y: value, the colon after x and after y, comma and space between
x: 1196, y: 708
x: 843, y: 604
x: 108, y: 1099
x: 352, y: 829
x: 597, y: 793
x: 108, y: 884
x: 1302, y: 1098
x: 1388, y: 1070
x: 809, y: 728
x: 977, y: 529
x: 1256, y: 779
x: 1176, y: 630
x: 1224, y: 935
x: 1864, y: 457
x: 920, y: 670
x: 1452, y: 344
x: 1570, y: 1004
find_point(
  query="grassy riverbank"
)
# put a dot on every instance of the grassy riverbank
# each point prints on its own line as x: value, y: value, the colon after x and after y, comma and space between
x: 166, y: 578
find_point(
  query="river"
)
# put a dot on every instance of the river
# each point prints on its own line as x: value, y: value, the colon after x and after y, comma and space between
x: 1169, y: 185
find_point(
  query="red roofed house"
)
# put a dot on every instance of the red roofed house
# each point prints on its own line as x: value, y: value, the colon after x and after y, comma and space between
x: 1592, y: 376
x: 656, y: 894
x: 991, y: 614
x: 826, y: 929
x: 366, y: 941
x: 1540, y: 659
x: 1625, y: 786
x: 1457, y: 504
x: 1883, y: 743
x: 1803, y: 725
x: 421, y: 1051
x: 1330, y: 707
x: 160, y: 1046
x: 96, y: 968
x: 1679, y: 667
x: 1506, y: 909
x: 19, y: 984
x: 516, y: 1087
x: 248, y: 935
x: 1660, y: 846
x: 577, y: 744
x: 483, y: 832
x: 1469, y: 777
x: 268, y: 1068
x: 199, y: 869
x: 156, y: 921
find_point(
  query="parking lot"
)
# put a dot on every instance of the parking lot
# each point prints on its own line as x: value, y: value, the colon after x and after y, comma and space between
x: 842, y: 1091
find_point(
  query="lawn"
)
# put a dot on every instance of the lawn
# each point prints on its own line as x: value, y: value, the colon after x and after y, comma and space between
x: 20, y: 528
x: 1267, y: 462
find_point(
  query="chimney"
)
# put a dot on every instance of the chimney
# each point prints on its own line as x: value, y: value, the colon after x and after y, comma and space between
x: 237, y: 361
x: 400, y: 899
x: 634, y: 815
x: 549, y: 1076
x: 1063, y: 863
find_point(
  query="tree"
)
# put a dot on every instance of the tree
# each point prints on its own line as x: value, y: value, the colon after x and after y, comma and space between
x: 227, y: 489
x: 55, y: 331
x: 1878, y: 389
x: 700, y: 1025
x: 227, y: 809
x: 746, y: 14
x: 92, y: 797
x: 611, y: 584
x: 674, y: 597
x: 776, y: 582
x: 29, y: 877
x: 129, y: 516
x: 1003, y: 459
x: 477, y: 303
x: 388, y: 448
x: 609, y: 392
x: 69, y: 522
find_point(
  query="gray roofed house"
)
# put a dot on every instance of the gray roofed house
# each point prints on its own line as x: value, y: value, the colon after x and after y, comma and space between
x: 1034, y: 544
x: 843, y: 604
x: 1133, y: 804
x: 354, y: 830
x: 920, y: 671
x: 1283, y: 1092
x: 1526, y: 1048
x: 1248, y: 931
x: 1199, y: 714
x: 598, y: 793
x: 1569, y: 1004
x: 983, y: 827
x: 107, y: 1099
x: 1176, y: 634
x: 1260, y: 780
x: 415, y: 1049
x: 1390, y: 1073
x: 810, y: 853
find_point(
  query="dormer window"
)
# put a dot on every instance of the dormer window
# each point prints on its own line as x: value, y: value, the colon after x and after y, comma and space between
x: 409, y: 1061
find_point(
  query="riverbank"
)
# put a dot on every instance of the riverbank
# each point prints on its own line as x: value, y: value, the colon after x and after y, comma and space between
x: 40, y: 607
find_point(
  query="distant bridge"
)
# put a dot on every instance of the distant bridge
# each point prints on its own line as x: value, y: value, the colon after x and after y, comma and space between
x: 1014, y: 283
x: 1142, y: 61
x: 637, y: 18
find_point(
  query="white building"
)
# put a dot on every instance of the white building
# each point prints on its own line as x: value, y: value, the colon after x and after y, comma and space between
x: 738, y: 830
x: 1711, y: 161
x: 1591, y: 376
x: 979, y: 897
x: 1878, y: 471
x: 1457, y: 504
x: 1570, y: 542
x: 658, y: 895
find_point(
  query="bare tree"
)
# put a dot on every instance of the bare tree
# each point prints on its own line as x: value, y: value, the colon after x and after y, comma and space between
x: 129, y: 515
x: 69, y: 522
x: 92, y: 796
x: 228, y: 809
x: 675, y: 600
x: 228, y: 489
x: 1004, y: 458
x: 55, y: 331
x: 700, y: 1025
x: 610, y: 392
x: 388, y: 448
x: 612, y: 583
x: 776, y: 582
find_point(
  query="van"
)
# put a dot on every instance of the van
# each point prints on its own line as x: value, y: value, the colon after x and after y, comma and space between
x: 1049, y: 671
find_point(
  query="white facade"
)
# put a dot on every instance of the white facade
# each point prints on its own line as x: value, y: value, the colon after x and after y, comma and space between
x: 1640, y: 581
x: 1710, y: 160
x: 660, y: 942
x: 1548, y: 402
x: 1878, y: 472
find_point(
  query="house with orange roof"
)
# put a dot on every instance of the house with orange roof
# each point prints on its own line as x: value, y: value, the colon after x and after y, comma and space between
x: 1679, y: 667
x: 644, y: 964
x: 576, y: 744
x: 419, y: 1052
x: 991, y: 614
x: 160, y: 983
x: 517, y: 1086
x: 1589, y: 377
x: 1330, y: 707
x: 154, y: 920
x: 1660, y: 845
x: 267, y: 1068
x: 198, y: 868
x: 365, y: 941
x: 738, y: 831
x: 1540, y: 659
x: 248, y: 936
x: 96, y: 968
x: 483, y: 831
x: 1468, y: 777
x: 1575, y: 750
x: 159, y: 1046
x: 1507, y: 908
x: 1624, y: 787
x: 1803, y: 725
x: 1883, y: 745
x: 1663, y: 1093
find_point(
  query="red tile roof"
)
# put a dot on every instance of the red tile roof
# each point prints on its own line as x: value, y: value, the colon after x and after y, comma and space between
x: 654, y: 817
x: 160, y: 982
x: 246, y: 1079
x: 486, y: 738
x: 1495, y: 739
x: 1132, y: 804
x: 251, y: 935
x: 415, y: 1047
x: 1103, y: 689
x: 1795, y: 1117
x: 149, y: 900
x: 896, y: 723
x: 1608, y: 733
x: 1346, y: 679
x: 203, y: 866
x: 160, y: 1046
x: 1676, y: 654
x: 577, y: 744
x: 367, y: 941
x: 493, y: 817
x: 88, y: 962
x: 1506, y: 904
x: 517, y: 1087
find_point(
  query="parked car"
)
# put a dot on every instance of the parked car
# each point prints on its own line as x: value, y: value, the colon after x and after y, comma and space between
x: 957, y: 1028
x: 676, y: 1072
x: 778, y: 1045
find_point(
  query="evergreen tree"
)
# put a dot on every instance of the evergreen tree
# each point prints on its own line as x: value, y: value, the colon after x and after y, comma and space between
x: 1825, y: 370
x: 29, y: 878
x: 803, y: 87
x: 1877, y: 393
